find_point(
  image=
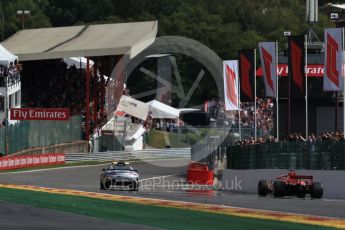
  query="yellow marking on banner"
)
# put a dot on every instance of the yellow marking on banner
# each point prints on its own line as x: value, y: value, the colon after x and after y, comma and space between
x: 217, y: 209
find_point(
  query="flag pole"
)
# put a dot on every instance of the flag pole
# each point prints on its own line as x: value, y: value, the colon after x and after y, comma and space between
x: 239, y: 107
x: 277, y: 96
x: 343, y: 87
x: 255, y: 122
x: 289, y: 89
x: 306, y: 85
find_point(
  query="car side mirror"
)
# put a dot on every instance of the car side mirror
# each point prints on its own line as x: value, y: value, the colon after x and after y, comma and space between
x: 103, y: 170
x: 135, y: 170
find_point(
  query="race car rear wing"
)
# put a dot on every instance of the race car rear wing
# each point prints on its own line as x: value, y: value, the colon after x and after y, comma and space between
x: 295, y: 176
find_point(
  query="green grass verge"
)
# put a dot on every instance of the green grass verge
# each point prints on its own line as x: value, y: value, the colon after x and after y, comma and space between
x: 156, y: 139
x: 182, y: 140
x: 168, y: 218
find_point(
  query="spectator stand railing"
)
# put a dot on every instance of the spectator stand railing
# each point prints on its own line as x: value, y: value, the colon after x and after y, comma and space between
x: 8, y: 76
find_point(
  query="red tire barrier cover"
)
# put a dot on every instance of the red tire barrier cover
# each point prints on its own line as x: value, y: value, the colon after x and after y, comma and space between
x: 198, y: 173
x: 27, y: 161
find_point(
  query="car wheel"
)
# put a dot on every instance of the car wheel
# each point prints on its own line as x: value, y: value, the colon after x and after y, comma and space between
x: 300, y: 195
x: 135, y: 186
x: 101, y: 185
x: 316, y: 190
x: 279, y: 188
x: 107, y: 183
x: 262, y: 188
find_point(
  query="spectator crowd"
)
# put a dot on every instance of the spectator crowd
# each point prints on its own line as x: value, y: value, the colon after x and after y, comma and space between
x: 264, y: 115
x: 296, y: 137
x: 10, y: 74
x: 60, y: 87
x: 51, y: 84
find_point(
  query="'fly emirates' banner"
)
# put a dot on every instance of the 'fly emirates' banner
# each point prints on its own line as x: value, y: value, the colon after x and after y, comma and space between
x: 39, y: 114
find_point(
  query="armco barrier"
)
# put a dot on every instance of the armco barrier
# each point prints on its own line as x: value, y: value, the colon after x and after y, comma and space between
x: 198, y: 173
x: 246, y: 181
x: 146, y: 154
x: 17, y: 162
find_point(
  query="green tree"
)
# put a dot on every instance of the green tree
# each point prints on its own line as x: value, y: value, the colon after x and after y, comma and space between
x: 13, y: 23
x: 225, y: 26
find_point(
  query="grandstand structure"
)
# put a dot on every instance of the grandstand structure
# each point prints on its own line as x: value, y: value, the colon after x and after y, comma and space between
x: 10, y: 83
x: 43, y: 52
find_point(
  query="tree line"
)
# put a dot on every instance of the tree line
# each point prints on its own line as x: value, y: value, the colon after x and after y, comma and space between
x: 225, y: 26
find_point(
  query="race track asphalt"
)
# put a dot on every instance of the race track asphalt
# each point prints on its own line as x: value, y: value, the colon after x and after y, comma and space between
x: 163, y: 183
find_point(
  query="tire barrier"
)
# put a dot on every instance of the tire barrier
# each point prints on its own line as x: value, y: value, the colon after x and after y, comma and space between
x: 28, y: 161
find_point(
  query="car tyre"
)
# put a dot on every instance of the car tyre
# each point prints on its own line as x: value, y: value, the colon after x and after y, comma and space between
x: 107, y: 183
x: 279, y: 188
x: 301, y: 195
x: 101, y: 185
x: 135, y: 186
x: 316, y: 190
x: 262, y: 188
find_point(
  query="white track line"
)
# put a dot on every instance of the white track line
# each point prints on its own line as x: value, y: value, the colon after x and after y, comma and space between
x: 334, y: 200
x: 157, y: 177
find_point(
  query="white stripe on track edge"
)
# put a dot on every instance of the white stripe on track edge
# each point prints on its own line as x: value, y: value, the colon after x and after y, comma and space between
x: 157, y: 177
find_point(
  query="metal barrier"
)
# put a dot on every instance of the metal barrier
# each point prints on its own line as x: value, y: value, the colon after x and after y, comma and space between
x: 28, y: 134
x: 210, y: 152
x: 322, y: 155
x: 130, y: 155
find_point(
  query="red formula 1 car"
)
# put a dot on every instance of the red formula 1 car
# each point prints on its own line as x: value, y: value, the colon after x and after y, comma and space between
x: 291, y: 184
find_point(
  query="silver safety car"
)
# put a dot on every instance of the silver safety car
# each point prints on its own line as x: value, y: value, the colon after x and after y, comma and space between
x: 120, y: 175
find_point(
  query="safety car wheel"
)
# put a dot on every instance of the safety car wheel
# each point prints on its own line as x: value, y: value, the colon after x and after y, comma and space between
x: 101, y: 185
x: 135, y: 186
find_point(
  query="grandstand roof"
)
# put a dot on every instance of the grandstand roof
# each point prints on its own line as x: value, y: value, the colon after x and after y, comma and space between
x: 77, y: 41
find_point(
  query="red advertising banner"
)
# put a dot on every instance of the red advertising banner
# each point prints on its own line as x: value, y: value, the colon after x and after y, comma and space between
x: 8, y: 163
x: 283, y: 70
x: 56, y: 114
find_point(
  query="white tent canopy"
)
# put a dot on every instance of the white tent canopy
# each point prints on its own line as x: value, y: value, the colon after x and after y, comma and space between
x: 6, y: 57
x: 163, y: 111
x: 133, y: 107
